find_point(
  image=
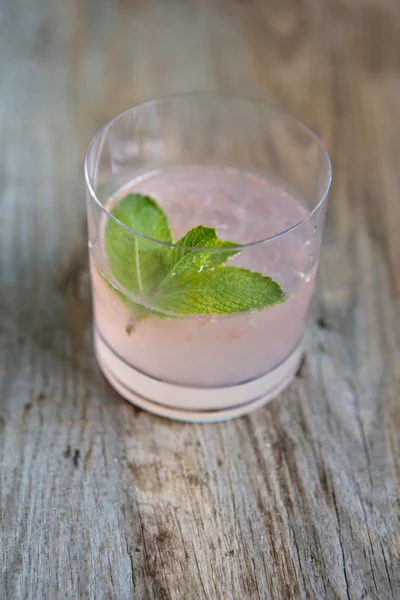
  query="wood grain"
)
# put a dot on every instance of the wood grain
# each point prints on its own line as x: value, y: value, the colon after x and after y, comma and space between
x: 102, y: 501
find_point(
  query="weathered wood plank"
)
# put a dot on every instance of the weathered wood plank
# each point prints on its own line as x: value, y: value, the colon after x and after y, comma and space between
x: 100, y: 500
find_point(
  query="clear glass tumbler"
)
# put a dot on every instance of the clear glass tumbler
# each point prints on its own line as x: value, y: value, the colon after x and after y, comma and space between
x: 206, y: 325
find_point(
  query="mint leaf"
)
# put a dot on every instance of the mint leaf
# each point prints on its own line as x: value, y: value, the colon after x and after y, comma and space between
x: 138, y: 310
x: 135, y: 261
x: 143, y: 214
x: 220, y: 291
x: 188, y: 253
x: 184, y: 279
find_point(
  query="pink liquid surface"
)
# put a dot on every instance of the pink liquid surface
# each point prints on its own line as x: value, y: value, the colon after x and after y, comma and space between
x: 217, y: 351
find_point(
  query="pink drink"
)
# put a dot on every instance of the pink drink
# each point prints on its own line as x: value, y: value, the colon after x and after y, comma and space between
x: 204, y: 367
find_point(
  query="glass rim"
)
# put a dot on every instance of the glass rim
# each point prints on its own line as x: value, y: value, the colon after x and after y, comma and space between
x: 102, y: 131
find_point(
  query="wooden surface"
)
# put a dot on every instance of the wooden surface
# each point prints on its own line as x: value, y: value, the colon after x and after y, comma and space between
x: 102, y: 501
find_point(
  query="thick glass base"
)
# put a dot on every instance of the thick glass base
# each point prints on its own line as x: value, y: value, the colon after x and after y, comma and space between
x: 193, y: 404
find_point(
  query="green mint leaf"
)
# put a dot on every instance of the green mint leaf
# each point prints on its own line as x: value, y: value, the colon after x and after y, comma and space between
x: 138, y: 310
x: 188, y: 253
x: 184, y: 279
x: 220, y: 291
x: 136, y: 262
x: 143, y: 214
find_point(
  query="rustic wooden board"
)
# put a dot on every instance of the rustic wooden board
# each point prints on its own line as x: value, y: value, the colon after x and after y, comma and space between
x: 100, y: 500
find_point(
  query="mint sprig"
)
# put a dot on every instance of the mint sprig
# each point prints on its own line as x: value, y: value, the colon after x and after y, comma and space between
x: 186, y: 278
x: 136, y: 262
x: 219, y: 291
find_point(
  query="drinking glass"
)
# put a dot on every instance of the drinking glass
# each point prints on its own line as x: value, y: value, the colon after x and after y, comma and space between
x: 260, y: 178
